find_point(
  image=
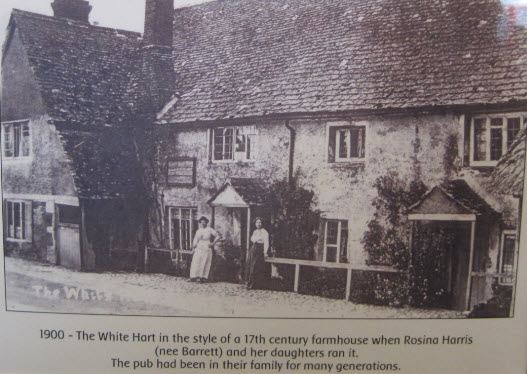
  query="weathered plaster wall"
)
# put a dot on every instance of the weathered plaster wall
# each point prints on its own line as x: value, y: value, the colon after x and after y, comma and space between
x: 409, y: 145
x: 271, y: 163
x: 20, y: 94
x: 45, y: 172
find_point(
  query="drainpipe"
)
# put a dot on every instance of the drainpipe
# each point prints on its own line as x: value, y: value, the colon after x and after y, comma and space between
x: 292, y: 140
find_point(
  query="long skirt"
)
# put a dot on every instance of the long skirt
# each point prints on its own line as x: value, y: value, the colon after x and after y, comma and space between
x: 201, y: 261
x: 255, y: 266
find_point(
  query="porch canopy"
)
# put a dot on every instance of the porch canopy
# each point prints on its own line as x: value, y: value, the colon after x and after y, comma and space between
x: 454, y: 201
x: 239, y: 193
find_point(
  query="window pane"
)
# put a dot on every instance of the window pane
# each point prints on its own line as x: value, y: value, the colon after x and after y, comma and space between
x: 343, y: 143
x: 17, y: 220
x: 10, y: 220
x: 16, y: 140
x: 331, y: 254
x: 228, y: 144
x: 185, y: 232
x: 344, y: 242
x: 507, y: 260
x: 480, y: 139
x: 8, y: 140
x: 185, y: 214
x: 357, y: 142
x: 69, y: 214
x: 240, y: 141
x: 175, y: 231
x: 25, y: 139
x: 332, y: 232
x: 249, y: 147
x: 513, y: 128
x: 218, y: 143
x: 496, y: 143
x: 496, y: 122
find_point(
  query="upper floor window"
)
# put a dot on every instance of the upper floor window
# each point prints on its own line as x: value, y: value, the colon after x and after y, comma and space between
x: 16, y: 139
x: 335, y: 241
x: 233, y: 143
x: 18, y: 220
x: 346, y: 142
x: 492, y: 135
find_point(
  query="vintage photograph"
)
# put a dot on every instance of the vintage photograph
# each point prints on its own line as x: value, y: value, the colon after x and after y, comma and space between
x: 263, y: 158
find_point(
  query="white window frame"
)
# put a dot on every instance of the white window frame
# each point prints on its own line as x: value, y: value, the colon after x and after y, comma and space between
x: 249, y: 131
x: 501, y: 280
x: 30, y: 143
x: 171, y: 226
x: 26, y: 203
x: 488, y: 162
x: 348, y: 125
x: 339, y: 239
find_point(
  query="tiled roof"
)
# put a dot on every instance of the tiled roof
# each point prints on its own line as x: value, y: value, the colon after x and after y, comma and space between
x: 454, y: 196
x: 509, y: 175
x: 243, y: 58
x: 103, y: 163
x: 83, y: 74
x: 83, y: 70
x: 251, y: 190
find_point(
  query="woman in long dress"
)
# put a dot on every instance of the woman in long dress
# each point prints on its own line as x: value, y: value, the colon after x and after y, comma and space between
x: 202, y: 245
x: 255, y: 267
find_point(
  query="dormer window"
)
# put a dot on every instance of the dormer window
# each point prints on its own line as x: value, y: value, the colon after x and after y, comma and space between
x: 16, y: 139
x: 492, y: 135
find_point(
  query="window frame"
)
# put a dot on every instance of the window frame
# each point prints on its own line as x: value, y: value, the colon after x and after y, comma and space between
x: 488, y: 127
x: 171, y: 227
x: 248, y: 135
x: 194, y: 171
x: 27, y: 234
x: 340, y: 223
x: 29, y: 140
x: 501, y: 279
x: 346, y: 125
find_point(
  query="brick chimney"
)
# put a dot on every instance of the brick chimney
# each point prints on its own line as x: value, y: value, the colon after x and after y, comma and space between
x: 77, y: 10
x: 158, y: 64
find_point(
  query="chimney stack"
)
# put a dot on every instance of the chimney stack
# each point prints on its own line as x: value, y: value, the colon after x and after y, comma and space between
x: 77, y: 10
x: 158, y: 63
x: 159, y: 17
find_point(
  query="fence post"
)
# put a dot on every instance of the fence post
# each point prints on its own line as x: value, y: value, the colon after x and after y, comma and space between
x: 297, y: 277
x: 348, y: 284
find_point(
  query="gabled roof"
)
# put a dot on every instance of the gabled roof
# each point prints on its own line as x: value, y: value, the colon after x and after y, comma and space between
x: 453, y: 197
x: 244, y: 58
x: 82, y: 70
x: 246, y: 191
x: 509, y: 174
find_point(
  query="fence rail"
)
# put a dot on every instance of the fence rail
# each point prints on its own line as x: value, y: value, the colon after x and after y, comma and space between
x: 331, y: 265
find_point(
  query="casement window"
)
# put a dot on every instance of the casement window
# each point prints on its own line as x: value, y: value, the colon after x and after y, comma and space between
x: 68, y: 215
x: 233, y: 143
x: 183, y: 226
x: 16, y: 139
x: 181, y: 172
x: 492, y: 135
x: 335, y: 241
x: 507, y: 261
x: 346, y: 142
x: 18, y: 220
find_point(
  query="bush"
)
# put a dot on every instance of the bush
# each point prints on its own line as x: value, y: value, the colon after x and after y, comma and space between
x: 329, y: 283
x: 497, y: 307
x: 226, y: 265
x: 376, y: 288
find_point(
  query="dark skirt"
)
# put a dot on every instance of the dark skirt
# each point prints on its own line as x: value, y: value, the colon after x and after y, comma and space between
x: 255, y: 266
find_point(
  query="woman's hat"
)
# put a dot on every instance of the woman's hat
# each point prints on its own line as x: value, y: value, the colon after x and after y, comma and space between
x: 203, y: 219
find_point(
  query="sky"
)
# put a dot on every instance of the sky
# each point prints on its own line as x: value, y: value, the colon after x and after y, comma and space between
x: 107, y: 12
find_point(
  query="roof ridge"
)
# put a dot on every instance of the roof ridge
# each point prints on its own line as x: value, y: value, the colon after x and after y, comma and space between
x: 70, y: 22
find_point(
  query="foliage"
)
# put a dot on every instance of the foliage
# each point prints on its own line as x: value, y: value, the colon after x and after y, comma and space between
x: 378, y: 288
x: 294, y: 219
x: 497, y: 307
x: 227, y: 262
x: 323, y: 282
x: 386, y: 240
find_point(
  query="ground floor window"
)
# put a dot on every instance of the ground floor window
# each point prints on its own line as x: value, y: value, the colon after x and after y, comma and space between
x: 507, y: 256
x: 18, y: 219
x: 335, y: 241
x: 183, y: 226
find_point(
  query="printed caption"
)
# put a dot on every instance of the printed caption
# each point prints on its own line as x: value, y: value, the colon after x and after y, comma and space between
x: 267, y: 353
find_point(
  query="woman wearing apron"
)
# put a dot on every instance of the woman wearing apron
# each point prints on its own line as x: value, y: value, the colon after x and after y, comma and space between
x: 204, y: 241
